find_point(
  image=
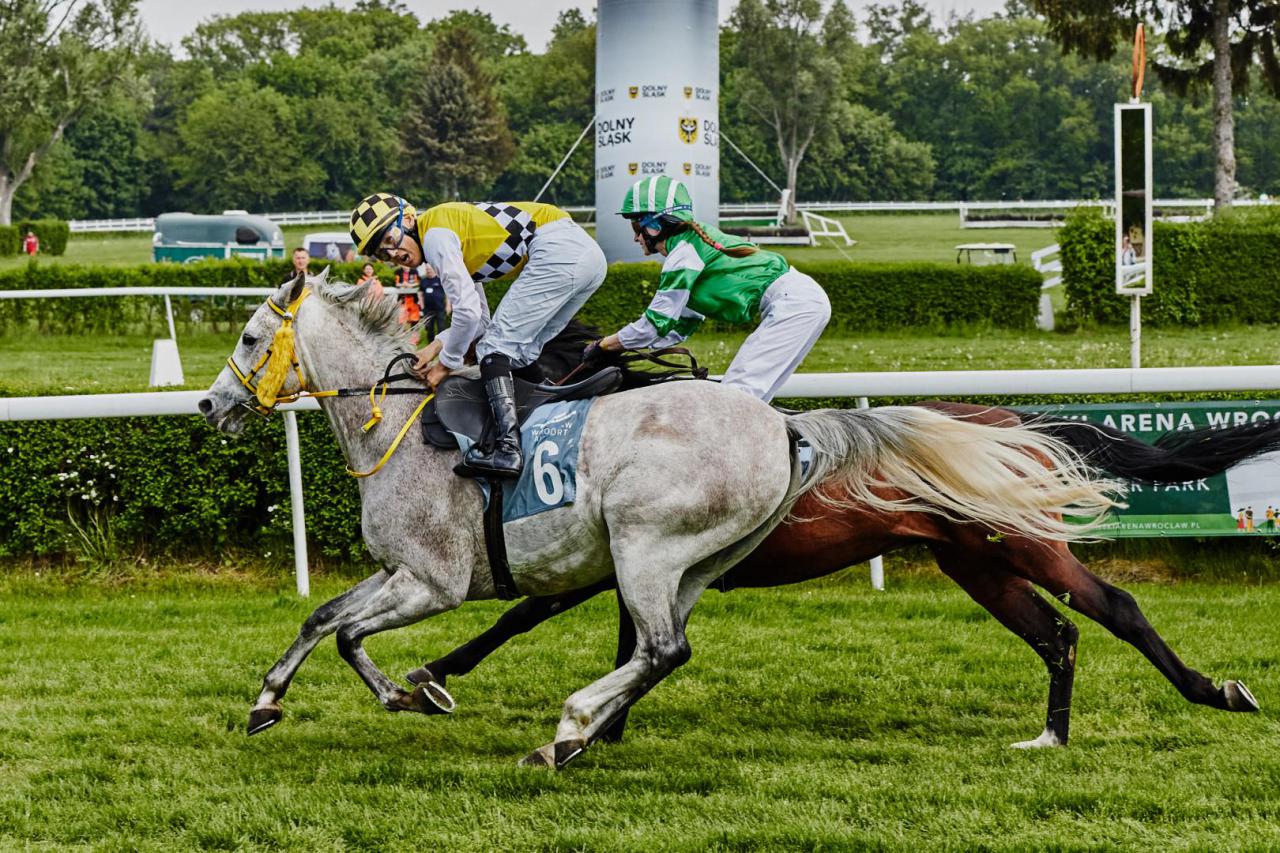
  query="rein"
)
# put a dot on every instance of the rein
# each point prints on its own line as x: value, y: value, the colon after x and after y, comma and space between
x: 281, y: 356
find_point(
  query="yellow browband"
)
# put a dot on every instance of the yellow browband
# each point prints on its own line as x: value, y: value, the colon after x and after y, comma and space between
x: 280, y: 357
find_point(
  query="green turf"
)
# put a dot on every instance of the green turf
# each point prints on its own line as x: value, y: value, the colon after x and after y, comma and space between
x: 31, y: 364
x: 819, y: 717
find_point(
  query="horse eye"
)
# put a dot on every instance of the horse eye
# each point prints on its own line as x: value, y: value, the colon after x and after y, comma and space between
x: 248, y: 340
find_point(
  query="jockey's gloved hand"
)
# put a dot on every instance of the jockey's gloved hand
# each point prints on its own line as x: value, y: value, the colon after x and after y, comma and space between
x: 594, y: 355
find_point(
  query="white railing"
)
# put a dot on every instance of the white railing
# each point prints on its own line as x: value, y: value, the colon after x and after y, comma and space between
x: 321, y: 217
x: 861, y: 385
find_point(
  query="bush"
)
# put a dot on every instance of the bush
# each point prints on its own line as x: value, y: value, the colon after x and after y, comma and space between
x: 863, y: 296
x: 53, y: 234
x: 171, y: 485
x: 1221, y: 270
x: 10, y: 242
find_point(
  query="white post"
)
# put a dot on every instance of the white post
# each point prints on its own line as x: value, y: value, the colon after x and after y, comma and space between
x: 295, y: 498
x: 1135, y: 332
x: 168, y: 310
x: 877, y: 562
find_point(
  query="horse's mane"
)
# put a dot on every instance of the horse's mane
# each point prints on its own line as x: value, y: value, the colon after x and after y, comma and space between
x: 380, y: 318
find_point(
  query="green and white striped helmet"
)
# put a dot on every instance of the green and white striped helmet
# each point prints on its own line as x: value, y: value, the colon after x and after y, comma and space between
x: 657, y: 198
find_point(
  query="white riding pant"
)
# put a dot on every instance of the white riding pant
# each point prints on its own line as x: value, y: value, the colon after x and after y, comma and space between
x: 793, y: 313
x: 565, y: 267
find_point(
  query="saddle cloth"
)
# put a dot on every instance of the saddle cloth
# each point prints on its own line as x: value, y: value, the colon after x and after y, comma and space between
x: 551, y: 420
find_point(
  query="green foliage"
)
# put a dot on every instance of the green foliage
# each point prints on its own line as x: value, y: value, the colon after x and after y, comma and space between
x: 10, y: 240
x: 59, y: 57
x: 147, y: 313
x: 1218, y: 271
x: 241, y: 149
x: 863, y: 296
x: 53, y: 234
x: 455, y: 138
x: 167, y: 485
x: 1087, y: 249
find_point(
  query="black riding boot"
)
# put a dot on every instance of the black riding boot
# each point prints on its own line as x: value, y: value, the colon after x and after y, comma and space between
x: 505, y: 459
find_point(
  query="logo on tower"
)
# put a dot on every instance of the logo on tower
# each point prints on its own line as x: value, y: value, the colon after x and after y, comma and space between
x: 688, y: 130
x: 632, y: 168
x: 633, y: 91
x: 688, y: 168
x: 688, y: 91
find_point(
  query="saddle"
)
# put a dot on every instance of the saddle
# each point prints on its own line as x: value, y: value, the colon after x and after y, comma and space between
x: 461, y: 406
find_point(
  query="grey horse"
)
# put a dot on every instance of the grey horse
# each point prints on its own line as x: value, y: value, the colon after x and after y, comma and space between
x: 676, y: 483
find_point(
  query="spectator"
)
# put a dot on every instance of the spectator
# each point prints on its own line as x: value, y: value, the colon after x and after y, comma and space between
x: 1127, y: 255
x: 31, y: 243
x: 435, y: 304
x: 370, y: 281
x: 301, y: 259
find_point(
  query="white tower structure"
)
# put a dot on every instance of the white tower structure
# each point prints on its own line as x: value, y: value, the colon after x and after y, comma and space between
x: 657, y: 107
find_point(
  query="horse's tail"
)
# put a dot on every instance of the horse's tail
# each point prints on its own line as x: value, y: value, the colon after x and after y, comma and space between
x: 1174, y: 458
x: 1016, y: 480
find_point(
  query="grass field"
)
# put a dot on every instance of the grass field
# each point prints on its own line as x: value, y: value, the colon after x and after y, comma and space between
x: 819, y: 717
x: 32, y: 364
x: 885, y: 237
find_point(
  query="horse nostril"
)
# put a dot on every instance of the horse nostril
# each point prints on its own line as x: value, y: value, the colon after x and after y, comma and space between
x: 205, y: 406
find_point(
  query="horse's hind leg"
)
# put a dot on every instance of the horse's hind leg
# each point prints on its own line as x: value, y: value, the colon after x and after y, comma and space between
x: 1016, y: 604
x: 525, y: 616
x: 322, y: 622
x: 1057, y: 570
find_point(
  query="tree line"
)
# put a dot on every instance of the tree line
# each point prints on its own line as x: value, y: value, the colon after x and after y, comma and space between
x: 314, y: 108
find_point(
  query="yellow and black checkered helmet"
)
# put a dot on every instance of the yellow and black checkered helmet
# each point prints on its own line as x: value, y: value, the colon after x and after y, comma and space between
x: 372, y: 216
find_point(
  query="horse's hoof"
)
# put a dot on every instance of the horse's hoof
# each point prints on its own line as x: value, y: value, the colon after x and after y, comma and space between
x: 1048, y: 738
x: 422, y: 675
x: 261, y: 719
x: 543, y: 756
x: 430, y: 698
x: 1238, y: 697
x: 568, y: 750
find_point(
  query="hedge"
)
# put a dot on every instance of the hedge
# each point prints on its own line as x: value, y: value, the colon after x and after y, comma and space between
x: 53, y: 234
x: 1221, y: 270
x: 863, y: 296
x: 171, y: 485
x: 174, y: 485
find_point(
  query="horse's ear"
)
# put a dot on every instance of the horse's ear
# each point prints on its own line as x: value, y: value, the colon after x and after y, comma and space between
x: 291, y: 289
x: 324, y: 275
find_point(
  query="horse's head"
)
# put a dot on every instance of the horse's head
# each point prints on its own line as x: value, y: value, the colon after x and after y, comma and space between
x: 260, y: 368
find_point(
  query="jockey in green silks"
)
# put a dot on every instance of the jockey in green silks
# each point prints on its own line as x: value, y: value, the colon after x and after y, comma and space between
x: 707, y: 273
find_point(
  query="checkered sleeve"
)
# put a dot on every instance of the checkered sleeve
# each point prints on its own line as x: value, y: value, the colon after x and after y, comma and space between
x: 443, y: 250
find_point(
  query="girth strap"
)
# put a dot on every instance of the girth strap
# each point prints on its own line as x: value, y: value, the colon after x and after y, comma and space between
x: 495, y: 544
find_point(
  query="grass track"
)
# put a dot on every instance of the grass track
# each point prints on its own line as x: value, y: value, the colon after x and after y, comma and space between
x: 825, y: 716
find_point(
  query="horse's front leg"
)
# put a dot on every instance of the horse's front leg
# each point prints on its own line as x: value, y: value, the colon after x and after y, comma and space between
x: 523, y: 617
x: 404, y: 599
x: 323, y: 621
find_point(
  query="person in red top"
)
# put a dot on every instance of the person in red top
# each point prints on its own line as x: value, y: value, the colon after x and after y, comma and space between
x: 31, y: 243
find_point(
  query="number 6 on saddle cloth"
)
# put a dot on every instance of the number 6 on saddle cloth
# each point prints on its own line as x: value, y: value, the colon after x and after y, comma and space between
x: 551, y: 420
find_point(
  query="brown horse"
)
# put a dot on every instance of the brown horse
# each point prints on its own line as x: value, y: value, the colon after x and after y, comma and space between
x: 999, y: 572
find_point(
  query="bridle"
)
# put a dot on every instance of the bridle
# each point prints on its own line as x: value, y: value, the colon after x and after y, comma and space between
x: 281, y: 357
x: 277, y: 360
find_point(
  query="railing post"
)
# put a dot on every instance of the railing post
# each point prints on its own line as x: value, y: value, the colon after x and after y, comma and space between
x: 301, y: 573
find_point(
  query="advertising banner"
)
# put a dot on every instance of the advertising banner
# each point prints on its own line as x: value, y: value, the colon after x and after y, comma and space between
x: 1243, y: 501
x: 657, y: 108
